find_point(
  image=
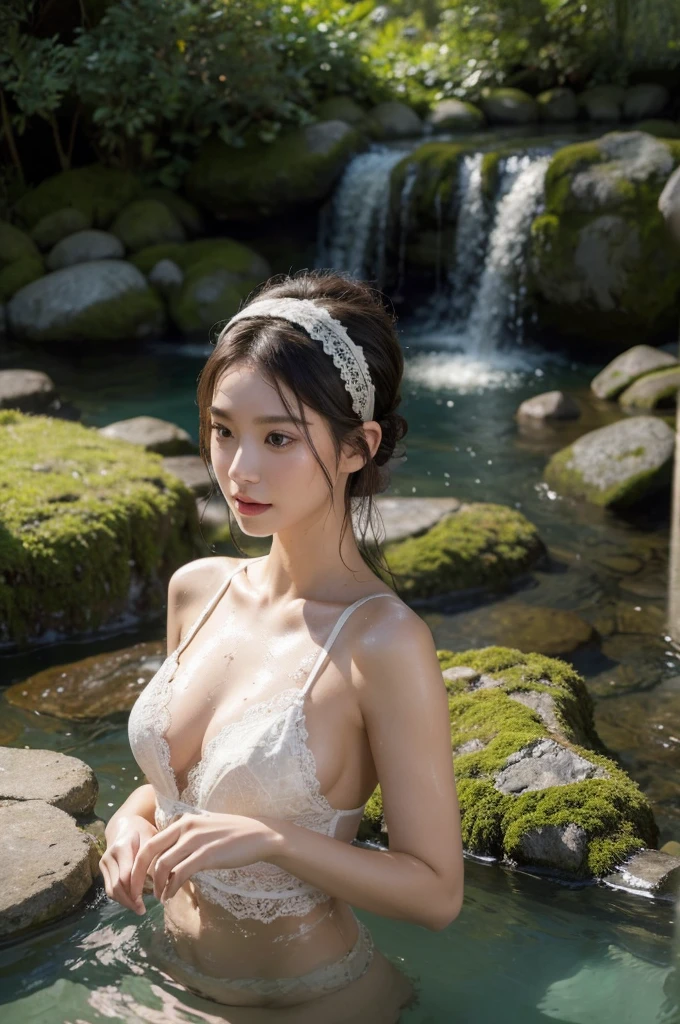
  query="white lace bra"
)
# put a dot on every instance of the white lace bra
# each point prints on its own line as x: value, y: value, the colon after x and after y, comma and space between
x: 259, y: 764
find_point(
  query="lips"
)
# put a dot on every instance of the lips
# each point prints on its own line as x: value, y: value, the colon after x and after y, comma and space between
x: 248, y: 501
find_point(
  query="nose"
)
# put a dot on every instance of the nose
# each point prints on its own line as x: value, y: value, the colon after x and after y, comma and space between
x: 244, y: 465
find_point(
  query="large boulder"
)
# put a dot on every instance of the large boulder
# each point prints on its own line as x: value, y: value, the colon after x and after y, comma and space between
x: 263, y: 179
x: 106, y: 300
x: 616, y: 466
x: 92, y: 530
x: 32, y: 391
x: 341, y: 108
x: 601, y: 263
x: 453, y: 115
x: 653, y: 391
x: 602, y: 103
x: 54, y: 226
x: 147, y: 222
x: 645, y: 100
x: 98, y: 192
x: 20, y: 260
x: 83, y: 247
x: 509, y: 106
x: 535, y: 784
x: 189, y: 216
x: 153, y: 434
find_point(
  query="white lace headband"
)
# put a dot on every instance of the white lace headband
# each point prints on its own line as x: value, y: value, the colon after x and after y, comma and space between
x: 348, y: 357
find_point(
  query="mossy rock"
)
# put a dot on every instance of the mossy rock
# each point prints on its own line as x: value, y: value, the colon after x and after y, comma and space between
x: 147, y: 258
x: 263, y: 179
x: 92, y: 529
x: 436, y: 181
x: 509, y: 106
x: 454, y: 115
x: 15, y: 244
x: 23, y: 271
x: 659, y: 127
x: 341, y: 108
x: 493, y: 693
x: 189, y: 216
x: 616, y: 466
x: 105, y: 300
x: 602, y: 264
x: 147, y: 222
x: 557, y: 105
x: 60, y: 224
x: 653, y: 391
x: 482, y: 546
x: 98, y: 192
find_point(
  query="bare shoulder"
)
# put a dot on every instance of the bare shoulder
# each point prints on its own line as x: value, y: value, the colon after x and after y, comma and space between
x: 189, y: 590
x: 390, y: 643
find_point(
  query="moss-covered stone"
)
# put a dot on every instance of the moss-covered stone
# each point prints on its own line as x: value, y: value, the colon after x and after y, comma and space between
x: 659, y: 127
x: 14, y: 244
x: 98, y: 192
x: 147, y: 258
x: 189, y: 216
x: 602, y: 263
x: 615, y: 466
x: 509, y: 106
x: 15, y: 275
x: 653, y: 391
x: 262, y: 179
x: 491, y: 724
x: 481, y: 546
x: 91, y: 529
x: 60, y: 224
x: 340, y: 108
x: 147, y: 222
x: 454, y: 115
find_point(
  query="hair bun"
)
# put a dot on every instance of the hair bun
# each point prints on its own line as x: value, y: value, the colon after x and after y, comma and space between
x: 394, y: 427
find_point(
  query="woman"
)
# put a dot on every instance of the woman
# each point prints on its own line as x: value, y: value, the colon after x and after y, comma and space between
x: 294, y: 683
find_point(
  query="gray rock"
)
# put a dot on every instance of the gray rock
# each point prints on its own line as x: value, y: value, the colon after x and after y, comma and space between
x: 84, y: 246
x: 26, y: 390
x: 557, y: 105
x: 323, y: 136
x: 63, y: 305
x: 154, y: 434
x: 341, y: 108
x: 625, y: 368
x: 627, y: 157
x: 394, y: 120
x: 644, y: 100
x: 464, y: 673
x: 49, y: 864
x: 669, y: 203
x: 653, y: 391
x: 543, y: 704
x: 166, y: 276
x: 602, y: 103
x: 192, y: 470
x: 147, y: 222
x: 55, y: 226
x: 469, y: 747
x: 407, y: 517
x: 551, y: 405
x: 557, y: 846
x: 453, y: 115
x: 46, y: 775
x: 542, y: 764
x: 617, y: 465
x: 650, y: 871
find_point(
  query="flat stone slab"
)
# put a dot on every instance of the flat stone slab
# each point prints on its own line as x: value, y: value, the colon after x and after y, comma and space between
x: 48, y: 777
x: 48, y: 863
x: 409, y: 517
x: 650, y: 871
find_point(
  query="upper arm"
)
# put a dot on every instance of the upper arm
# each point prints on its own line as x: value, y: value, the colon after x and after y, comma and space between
x: 405, y: 707
x: 189, y: 590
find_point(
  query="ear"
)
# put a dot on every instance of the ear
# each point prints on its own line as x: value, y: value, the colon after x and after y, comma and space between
x: 351, y: 461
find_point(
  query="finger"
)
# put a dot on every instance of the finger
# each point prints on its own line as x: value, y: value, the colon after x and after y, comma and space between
x: 118, y: 892
x: 187, y: 867
x: 148, y: 850
x: 125, y: 861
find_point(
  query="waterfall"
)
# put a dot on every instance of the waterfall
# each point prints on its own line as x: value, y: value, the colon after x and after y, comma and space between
x: 353, y: 226
x: 472, y: 233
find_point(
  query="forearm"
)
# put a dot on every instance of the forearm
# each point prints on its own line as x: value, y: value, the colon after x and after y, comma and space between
x: 392, y: 884
x: 142, y: 802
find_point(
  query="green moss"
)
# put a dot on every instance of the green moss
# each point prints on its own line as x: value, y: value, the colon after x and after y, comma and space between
x: 483, y: 545
x: 226, y: 252
x: 660, y: 128
x: 146, y: 222
x: 490, y: 171
x: 90, y: 527
x: 567, y: 162
x: 185, y: 212
x: 15, y: 275
x: 652, y: 390
x: 99, y: 192
x: 193, y: 311
x: 614, y: 813
x: 262, y: 179
x: 561, y: 475
x: 15, y: 244
x: 436, y: 165
x: 137, y: 314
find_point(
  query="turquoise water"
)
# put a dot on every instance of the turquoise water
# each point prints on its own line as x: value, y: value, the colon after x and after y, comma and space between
x: 524, y: 948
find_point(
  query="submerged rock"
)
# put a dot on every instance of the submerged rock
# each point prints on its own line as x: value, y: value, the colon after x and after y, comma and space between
x: 617, y: 465
x: 535, y: 785
x: 94, y: 528
x: 552, y: 405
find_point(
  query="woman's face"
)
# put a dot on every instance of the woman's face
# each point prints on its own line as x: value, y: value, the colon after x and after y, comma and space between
x: 270, y: 461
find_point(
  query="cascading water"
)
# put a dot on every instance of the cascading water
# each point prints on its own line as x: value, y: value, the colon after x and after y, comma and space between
x: 353, y: 225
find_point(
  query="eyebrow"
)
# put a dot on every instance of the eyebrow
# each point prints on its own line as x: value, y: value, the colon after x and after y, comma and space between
x: 215, y: 409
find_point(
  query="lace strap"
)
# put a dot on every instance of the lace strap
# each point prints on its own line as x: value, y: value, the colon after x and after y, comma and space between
x: 211, y: 604
x: 325, y: 650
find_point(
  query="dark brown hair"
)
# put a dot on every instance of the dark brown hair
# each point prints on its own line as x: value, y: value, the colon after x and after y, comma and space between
x: 284, y: 353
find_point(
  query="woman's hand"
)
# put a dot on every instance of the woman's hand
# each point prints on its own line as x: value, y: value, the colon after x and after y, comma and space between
x: 118, y: 858
x: 199, y: 842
